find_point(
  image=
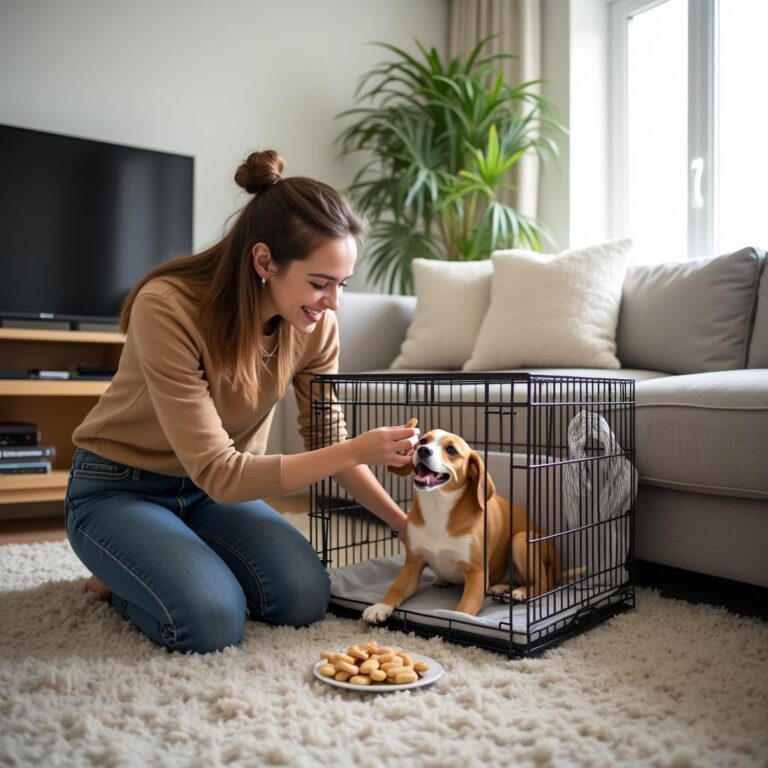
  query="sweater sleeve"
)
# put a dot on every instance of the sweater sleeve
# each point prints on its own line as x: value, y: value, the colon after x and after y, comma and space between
x: 169, y: 357
x: 328, y: 425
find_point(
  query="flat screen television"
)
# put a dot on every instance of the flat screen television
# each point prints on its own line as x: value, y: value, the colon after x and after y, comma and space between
x: 81, y: 221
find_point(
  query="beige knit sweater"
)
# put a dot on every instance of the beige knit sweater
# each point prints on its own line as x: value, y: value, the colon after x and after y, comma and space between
x: 169, y: 410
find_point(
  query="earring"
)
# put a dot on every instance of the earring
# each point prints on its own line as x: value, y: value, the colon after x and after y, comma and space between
x: 263, y: 282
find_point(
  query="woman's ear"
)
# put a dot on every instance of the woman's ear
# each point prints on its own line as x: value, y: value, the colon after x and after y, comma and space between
x: 262, y: 260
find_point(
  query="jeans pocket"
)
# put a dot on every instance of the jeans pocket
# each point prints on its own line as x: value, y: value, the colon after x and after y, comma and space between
x: 101, y: 471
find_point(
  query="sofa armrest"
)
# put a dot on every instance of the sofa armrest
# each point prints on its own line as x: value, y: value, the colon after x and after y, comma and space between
x: 372, y: 326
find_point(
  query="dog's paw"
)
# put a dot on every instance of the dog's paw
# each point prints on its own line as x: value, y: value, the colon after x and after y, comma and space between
x: 520, y: 594
x: 499, y: 589
x: 376, y: 614
x: 436, y: 582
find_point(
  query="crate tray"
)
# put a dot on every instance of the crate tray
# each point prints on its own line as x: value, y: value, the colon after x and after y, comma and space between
x: 362, y: 584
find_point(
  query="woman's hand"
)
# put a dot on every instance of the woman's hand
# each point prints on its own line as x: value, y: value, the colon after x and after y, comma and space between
x: 390, y: 446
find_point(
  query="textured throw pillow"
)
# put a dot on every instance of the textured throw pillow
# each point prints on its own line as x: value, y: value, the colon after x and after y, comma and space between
x: 553, y: 310
x: 451, y: 299
x: 691, y: 316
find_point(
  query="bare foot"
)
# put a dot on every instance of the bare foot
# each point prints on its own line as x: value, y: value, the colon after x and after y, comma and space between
x: 98, y: 589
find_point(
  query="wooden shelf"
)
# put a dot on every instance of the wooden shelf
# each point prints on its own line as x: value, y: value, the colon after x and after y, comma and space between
x: 69, y: 337
x: 51, y: 387
x: 40, y: 400
x: 20, y: 489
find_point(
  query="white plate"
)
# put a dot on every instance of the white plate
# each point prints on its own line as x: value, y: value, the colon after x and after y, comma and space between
x: 435, y: 672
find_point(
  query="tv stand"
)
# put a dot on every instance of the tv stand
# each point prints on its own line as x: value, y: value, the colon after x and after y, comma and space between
x: 56, y: 406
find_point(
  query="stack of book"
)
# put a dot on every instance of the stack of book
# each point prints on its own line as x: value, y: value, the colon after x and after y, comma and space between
x: 20, y: 450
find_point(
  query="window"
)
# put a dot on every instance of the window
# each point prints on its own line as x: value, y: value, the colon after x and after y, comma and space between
x: 689, y: 109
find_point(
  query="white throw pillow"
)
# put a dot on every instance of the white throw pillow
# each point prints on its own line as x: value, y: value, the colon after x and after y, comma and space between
x: 451, y: 300
x: 553, y: 310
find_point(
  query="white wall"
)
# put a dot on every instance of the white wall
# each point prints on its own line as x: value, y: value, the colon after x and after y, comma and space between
x: 210, y: 79
x: 216, y: 80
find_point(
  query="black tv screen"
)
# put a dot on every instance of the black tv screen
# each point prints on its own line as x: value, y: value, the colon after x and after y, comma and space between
x: 81, y: 221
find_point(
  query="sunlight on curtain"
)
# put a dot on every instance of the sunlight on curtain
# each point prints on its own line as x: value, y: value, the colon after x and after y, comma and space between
x: 517, y: 26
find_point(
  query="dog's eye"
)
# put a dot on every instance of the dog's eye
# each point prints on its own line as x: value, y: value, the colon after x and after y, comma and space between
x: 423, y: 441
x: 451, y: 451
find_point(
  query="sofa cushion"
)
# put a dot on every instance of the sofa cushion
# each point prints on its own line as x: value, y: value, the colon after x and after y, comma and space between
x: 371, y: 329
x: 689, y: 317
x: 706, y: 433
x: 553, y: 309
x: 452, y: 297
x: 758, y: 345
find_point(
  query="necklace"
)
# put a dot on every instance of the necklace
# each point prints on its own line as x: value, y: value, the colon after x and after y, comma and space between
x: 266, y: 355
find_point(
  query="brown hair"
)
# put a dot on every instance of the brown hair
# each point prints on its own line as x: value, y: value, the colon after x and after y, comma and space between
x: 293, y: 216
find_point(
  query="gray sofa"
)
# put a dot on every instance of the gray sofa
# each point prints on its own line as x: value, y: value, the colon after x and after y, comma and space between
x: 694, y: 336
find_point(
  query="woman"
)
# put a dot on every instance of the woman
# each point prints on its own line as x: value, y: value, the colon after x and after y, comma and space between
x: 161, y: 504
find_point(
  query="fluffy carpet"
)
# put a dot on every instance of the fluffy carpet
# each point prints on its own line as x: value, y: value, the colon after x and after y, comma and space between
x: 669, y: 684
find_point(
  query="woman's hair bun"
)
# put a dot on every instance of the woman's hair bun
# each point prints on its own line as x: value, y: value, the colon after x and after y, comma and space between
x: 259, y: 171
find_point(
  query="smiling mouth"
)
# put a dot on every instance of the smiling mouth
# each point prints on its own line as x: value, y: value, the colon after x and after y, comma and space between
x: 312, y: 314
x: 426, y: 478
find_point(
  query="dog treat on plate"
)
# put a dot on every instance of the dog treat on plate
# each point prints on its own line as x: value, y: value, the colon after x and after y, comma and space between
x: 380, y: 665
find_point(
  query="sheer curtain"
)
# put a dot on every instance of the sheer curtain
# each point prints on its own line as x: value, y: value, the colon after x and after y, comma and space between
x: 518, y: 26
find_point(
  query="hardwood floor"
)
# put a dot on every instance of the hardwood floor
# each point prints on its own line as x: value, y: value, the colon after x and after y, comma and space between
x: 36, y: 529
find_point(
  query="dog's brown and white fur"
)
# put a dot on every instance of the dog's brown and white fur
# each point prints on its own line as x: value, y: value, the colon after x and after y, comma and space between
x: 446, y: 530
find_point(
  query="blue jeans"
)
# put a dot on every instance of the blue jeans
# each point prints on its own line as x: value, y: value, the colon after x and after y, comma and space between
x: 186, y: 570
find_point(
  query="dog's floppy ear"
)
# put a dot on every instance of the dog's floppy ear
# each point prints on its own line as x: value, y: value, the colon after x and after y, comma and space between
x: 478, y: 477
x: 402, y: 471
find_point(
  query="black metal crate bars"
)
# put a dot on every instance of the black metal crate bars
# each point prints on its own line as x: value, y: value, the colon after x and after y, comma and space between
x: 560, y: 447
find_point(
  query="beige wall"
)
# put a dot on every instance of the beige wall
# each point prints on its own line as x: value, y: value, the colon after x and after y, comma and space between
x: 215, y: 80
x: 210, y: 79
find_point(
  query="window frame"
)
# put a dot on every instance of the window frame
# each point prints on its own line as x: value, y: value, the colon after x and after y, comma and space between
x: 701, y: 204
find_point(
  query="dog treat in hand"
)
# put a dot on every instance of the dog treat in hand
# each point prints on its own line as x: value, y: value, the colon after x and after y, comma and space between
x: 411, y: 424
x: 381, y: 665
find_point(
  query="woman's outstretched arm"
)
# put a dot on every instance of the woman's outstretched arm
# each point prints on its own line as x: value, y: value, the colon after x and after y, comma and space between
x: 388, y: 446
x: 363, y: 486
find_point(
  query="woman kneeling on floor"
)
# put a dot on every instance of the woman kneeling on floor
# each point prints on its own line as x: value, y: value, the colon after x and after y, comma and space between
x: 162, y: 503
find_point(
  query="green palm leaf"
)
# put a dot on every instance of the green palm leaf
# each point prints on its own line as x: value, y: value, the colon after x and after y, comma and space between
x: 441, y: 139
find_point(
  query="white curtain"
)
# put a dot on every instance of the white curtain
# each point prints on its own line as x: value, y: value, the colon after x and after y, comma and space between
x: 518, y: 26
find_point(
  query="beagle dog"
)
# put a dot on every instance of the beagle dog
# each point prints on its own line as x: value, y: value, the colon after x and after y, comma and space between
x: 447, y: 531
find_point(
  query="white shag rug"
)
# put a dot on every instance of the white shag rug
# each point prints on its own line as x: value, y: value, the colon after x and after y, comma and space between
x: 669, y: 684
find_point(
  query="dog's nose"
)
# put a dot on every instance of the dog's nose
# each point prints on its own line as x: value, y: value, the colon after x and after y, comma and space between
x: 424, y: 452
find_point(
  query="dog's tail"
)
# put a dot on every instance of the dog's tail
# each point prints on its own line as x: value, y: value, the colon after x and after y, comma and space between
x: 571, y: 574
x: 560, y: 575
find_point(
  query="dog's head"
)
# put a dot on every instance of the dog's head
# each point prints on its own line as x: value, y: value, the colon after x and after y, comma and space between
x: 443, y: 461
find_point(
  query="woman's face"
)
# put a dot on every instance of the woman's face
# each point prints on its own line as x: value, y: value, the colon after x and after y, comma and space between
x: 303, y: 290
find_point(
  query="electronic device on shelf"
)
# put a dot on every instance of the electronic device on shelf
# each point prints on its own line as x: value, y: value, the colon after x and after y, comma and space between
x: 13, y: 373
x: 95, y: 372
x: 19, y: 433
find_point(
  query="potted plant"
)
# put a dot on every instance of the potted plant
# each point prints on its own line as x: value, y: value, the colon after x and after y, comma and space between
x: 441, y: 139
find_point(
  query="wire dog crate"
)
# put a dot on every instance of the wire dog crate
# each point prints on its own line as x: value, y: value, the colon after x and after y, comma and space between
x: 560, y: 447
